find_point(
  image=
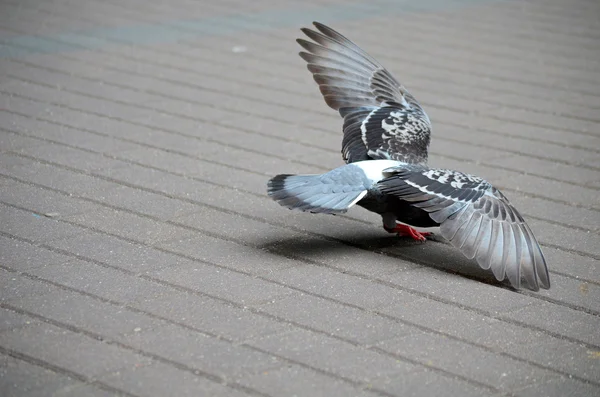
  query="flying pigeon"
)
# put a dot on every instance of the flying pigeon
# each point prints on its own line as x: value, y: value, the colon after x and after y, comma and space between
x: 386, y: 135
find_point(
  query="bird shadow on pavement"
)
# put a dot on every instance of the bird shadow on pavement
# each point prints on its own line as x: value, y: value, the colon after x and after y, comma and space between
x: 435, y: 253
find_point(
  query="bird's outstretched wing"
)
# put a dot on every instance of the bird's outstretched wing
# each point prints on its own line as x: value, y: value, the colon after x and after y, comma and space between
x: 382, y: 120
x: 477, y: 219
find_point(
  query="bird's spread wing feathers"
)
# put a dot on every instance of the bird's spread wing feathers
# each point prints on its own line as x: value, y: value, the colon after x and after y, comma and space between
x: 477, y: 219
x: 381, y: 118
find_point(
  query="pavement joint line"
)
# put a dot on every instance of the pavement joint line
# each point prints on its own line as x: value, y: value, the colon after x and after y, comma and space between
x: 298, y: 142
x: 290, y: 322
x: 62, y: 371
x: 154, y: 22
x: 245, y: 344
x: 192, y: 71
x: 320, y: 113
x: 226, y: 6
x: 110, y: 341
x: 313, y: 262
x: 308, y: 110
x: 124, y: 159
x: 505, y: 104
x: 224, y: 210
x: 393, y: 58
x: 136, y: 58
x: 143, y: 34
x: 167, y: 319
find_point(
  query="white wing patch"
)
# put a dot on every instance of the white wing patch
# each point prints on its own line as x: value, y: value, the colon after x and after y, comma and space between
x: 457, y: 180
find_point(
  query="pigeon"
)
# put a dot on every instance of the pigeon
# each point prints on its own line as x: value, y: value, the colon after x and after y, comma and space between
x: 386, y: 135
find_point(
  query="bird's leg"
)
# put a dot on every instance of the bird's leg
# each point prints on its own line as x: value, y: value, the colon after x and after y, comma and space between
x: 404, y: 230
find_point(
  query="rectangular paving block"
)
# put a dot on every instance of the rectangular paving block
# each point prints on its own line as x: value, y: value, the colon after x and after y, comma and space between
x: 21, y: 378
x: 30, y: 225
x: 334, y: 356
x: 323, y: 315
x: 41, y: 201
x: 104, y: 281
x: 225, y: 320
x: 574, y: 324
x: 196, y: 351
x: 21, y: 256
x: 117, y: 252
x: 481, y: 365
x: 293, y: 379
x: 129, y: 226
x: 158, y: 379
x: 68, y: 350
x: 221, y: 283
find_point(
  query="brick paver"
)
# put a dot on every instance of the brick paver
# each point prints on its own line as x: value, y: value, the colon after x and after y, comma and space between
x: 140, y: 255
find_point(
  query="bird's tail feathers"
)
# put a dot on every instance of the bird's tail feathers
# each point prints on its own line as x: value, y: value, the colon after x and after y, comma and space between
x: 314, y: 193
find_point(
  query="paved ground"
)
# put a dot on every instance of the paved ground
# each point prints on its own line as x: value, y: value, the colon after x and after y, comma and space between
x: 140, y: 255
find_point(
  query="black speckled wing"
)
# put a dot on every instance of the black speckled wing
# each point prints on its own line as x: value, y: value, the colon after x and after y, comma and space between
x: 382, y: 120
x: 477, y: 219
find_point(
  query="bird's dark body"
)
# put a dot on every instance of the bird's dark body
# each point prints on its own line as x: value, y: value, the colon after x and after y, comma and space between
x: 402, y: 210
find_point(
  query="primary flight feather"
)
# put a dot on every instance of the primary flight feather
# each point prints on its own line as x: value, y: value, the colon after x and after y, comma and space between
x: 386, y: 136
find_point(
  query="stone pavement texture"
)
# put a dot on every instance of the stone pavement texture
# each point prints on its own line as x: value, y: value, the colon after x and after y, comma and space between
x: 140, y: 255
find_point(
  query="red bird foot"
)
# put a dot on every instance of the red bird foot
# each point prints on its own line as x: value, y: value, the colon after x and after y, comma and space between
x: 404, y: 230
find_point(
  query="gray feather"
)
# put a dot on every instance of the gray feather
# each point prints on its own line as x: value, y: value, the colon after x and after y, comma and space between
x: 331, y: 193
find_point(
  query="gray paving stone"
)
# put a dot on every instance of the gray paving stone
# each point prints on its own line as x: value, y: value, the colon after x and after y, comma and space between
x: 341, y: 287
x: 10, y: 320
x: 60, y: 133
x: 481, y: 365
x: 69, y: 157
x: 569, y: 238
x: 430, y: 383
x: 20, y: 378
x: 434, y: 315
x: 32, y: 226
x: 84, y: 389
x: 146, y: 203
x: 286, y: 242
x: 229, y: 254
x: 16, y: 143
x: 334, y: 356
x: 21, y: 256
x: 222, y: 283
x: 211, y: 315
x: 201, y: 352
x: 295, y: 380
x: 102, y: 281
x: 198, y: 168
x: 559, y: 387
x: 462, y: 291
x: 117, y: 252
x: 360, y: 326
x: 41, y: 201
x: 562, y: 355
x: 88, y: 313
x: 158, y: 379
x: 128, y: 225
x: 563, y: 213
x: 61, y: 179
x: 68, y: 350
x: 16, y: 287
x: 579, y: 293
x: 559, y: 319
